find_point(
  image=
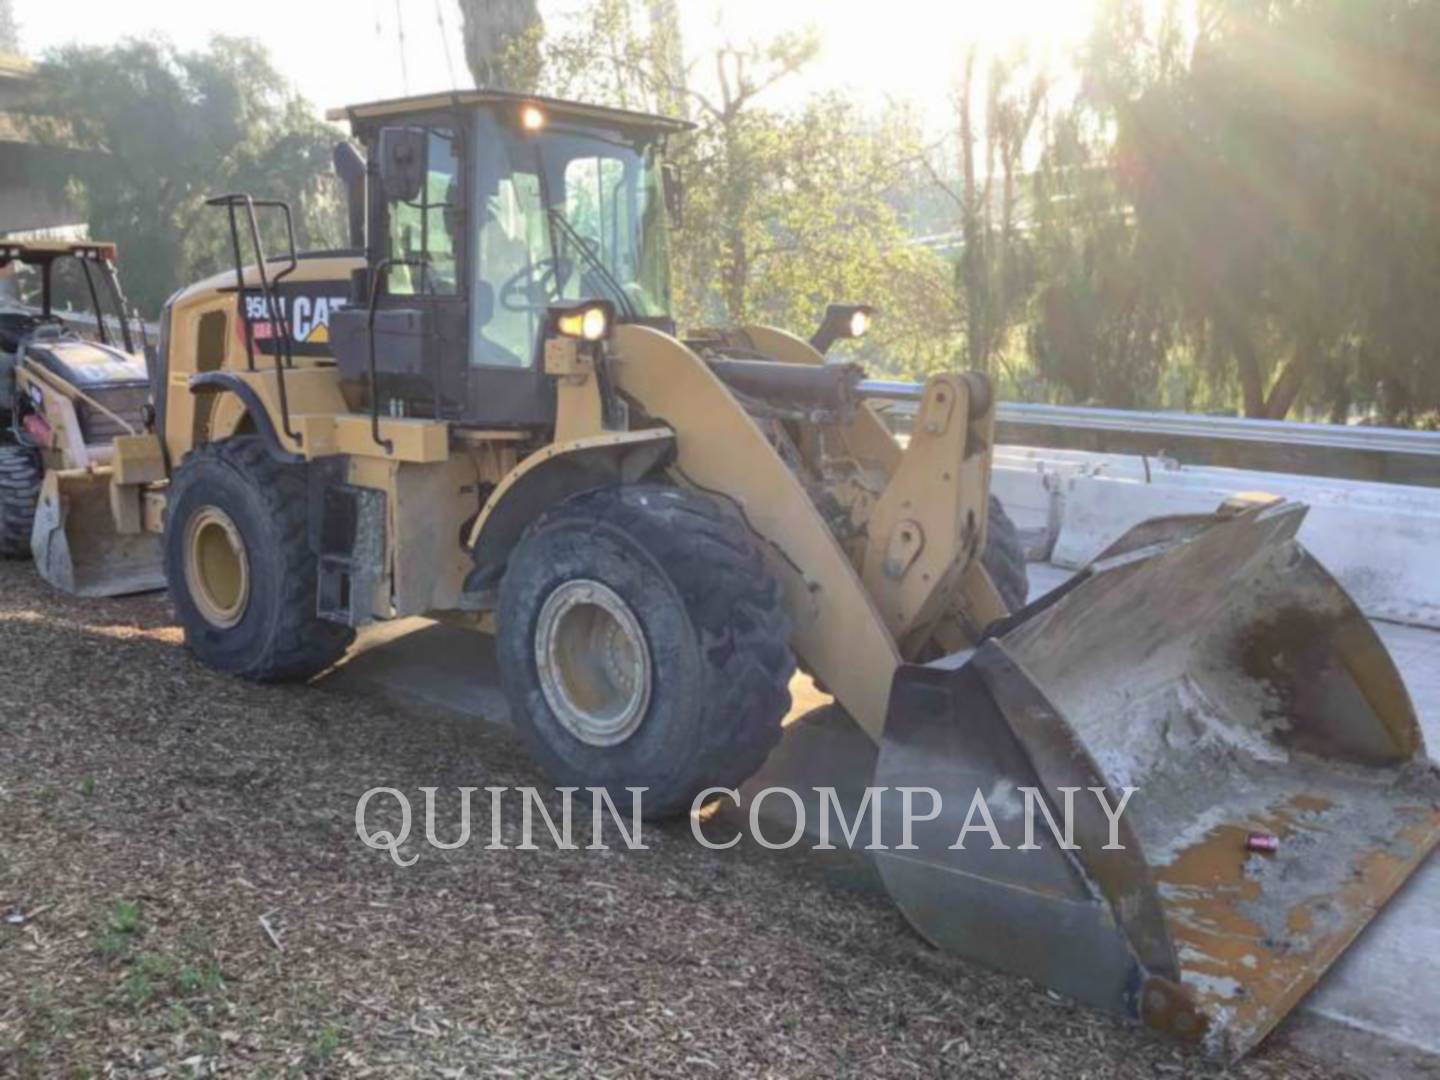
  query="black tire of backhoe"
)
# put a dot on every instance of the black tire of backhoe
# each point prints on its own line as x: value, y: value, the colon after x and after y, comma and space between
x: 1004, y: 558
x: 20, y: 476
x: 723, y: 723
x: 295, y: 643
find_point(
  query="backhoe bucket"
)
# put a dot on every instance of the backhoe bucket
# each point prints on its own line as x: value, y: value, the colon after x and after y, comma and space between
x: 1212, y: 665
x: 79, y: 549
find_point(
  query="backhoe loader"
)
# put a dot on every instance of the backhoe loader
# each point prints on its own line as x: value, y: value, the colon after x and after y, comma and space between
x: 506, y: 430
x: 73, y: 379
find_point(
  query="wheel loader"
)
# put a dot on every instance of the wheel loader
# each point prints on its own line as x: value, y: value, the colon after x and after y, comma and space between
x: 506, y: 430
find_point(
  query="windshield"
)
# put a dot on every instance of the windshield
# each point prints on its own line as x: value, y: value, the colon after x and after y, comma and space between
x: 564, y: 216
x: 83, y: 294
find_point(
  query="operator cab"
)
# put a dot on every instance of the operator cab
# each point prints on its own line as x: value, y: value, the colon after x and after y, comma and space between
x: 485, y: 212
x: 62, y: 310
x: 53, y: 290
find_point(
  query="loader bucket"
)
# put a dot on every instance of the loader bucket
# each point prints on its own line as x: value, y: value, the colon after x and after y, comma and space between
x: 1214, y: 666
x: 78, y: 548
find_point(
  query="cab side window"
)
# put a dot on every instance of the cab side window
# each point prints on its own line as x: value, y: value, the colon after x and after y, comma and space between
x: 426, y: 231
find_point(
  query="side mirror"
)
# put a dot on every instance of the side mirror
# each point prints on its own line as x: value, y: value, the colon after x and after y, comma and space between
x: 674, y: 183
x: 402, y: 163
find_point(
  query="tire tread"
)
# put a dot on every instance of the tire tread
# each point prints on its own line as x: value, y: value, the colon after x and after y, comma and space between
x: 1004, y: 558
x: 735, y: 604
x: 301, y: 644
x: 20, y: 477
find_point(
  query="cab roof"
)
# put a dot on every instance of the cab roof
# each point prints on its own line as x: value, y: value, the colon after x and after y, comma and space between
x: 561, y: 109
x: 39, y: 252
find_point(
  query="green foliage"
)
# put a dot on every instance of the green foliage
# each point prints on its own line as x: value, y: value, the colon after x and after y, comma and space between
x: 124, y: 917
x: 153, y: 977
x: 159, y: 129
x: 503, y: 42
x: 1227, y: 204
x: 326, y: 1043
x: 786, y: 211
x: 1274, y: 175
x: 803, y: 212
x: 119, y: 930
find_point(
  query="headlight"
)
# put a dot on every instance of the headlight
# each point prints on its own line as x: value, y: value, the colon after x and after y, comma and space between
x: 588, y: 322
x: 842, y: 321
x: 532, y: 118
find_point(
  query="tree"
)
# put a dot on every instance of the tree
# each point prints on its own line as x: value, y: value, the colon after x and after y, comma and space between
x: 1104, y: 326
x: 994, y: 272
x: 161, y: 129
x: 1279, y: 176
x: 503, y: 42
x: 1100, y: 332
x: 786, y: 211
x: 9, y: 32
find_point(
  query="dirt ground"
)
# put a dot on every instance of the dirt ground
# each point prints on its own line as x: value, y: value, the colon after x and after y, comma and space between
x: 152, y: 813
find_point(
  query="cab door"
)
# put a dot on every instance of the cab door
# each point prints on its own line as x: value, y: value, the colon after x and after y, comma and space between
x: 425, y: 237
x: 513, y: 282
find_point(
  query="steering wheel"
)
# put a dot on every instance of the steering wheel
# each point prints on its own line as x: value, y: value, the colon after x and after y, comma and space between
x: 52, y: 329
x: 535, y: 286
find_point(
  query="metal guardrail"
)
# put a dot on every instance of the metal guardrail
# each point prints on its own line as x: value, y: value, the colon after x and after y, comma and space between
x: 1387, y: 455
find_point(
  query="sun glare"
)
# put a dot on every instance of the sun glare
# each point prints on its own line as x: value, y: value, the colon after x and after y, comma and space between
x: 1040, y: 25
x: 905, y: 50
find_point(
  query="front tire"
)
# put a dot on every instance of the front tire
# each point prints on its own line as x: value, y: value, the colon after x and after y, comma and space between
x: 1004, y: 558
x: 240, y: 569
x: 643, y: 643
x: 20, y: 476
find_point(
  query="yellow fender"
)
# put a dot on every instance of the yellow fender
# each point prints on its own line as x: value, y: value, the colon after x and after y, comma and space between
x: 552, y: 474
x: 839, y: 633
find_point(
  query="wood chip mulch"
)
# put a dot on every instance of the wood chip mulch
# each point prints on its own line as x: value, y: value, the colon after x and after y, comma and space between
x: 182, y: 893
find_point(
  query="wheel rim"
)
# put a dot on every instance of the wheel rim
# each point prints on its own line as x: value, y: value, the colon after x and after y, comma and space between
x: 217, y: 570
x: 594, y: 662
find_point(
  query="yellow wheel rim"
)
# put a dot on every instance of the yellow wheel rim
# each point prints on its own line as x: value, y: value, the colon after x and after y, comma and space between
x: 594, y: 662
x: 217, y: 570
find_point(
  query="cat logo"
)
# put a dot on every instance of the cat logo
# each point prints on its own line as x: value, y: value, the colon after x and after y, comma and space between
x: 306, y: 308
x: 310, y: 318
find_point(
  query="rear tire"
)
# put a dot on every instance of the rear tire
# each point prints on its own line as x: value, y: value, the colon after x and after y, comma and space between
x: 1004, y: 558
x: 664, y: 641
x: 240, y: 569
x: 20, y: 477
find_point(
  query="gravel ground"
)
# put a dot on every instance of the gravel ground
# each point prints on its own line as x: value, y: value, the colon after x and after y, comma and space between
x: 152, y: 813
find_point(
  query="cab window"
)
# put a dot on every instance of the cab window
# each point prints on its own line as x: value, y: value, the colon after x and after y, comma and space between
x: 514, y: 245
x: 425, y: 232
x: 597, y: 207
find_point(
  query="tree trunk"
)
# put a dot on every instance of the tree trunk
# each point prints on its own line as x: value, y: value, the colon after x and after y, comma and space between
x: 971, y: 255
x: 667, y: 50
x: 1247, y: 365
x: 502, y: 43
x: 1287, y: 386
x: 9, y: 33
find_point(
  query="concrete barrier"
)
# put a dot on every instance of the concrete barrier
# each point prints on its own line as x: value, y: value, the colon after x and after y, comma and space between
x: 1380, y: 540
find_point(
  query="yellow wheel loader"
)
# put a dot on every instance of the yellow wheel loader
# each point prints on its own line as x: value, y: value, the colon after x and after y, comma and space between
x: 504, y: 429
x: 73, y: 381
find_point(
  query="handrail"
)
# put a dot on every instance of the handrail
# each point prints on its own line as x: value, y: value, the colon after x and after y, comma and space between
x: 278, y: 318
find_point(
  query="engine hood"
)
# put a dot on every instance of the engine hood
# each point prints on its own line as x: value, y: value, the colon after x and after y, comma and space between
x: 87, y: 363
